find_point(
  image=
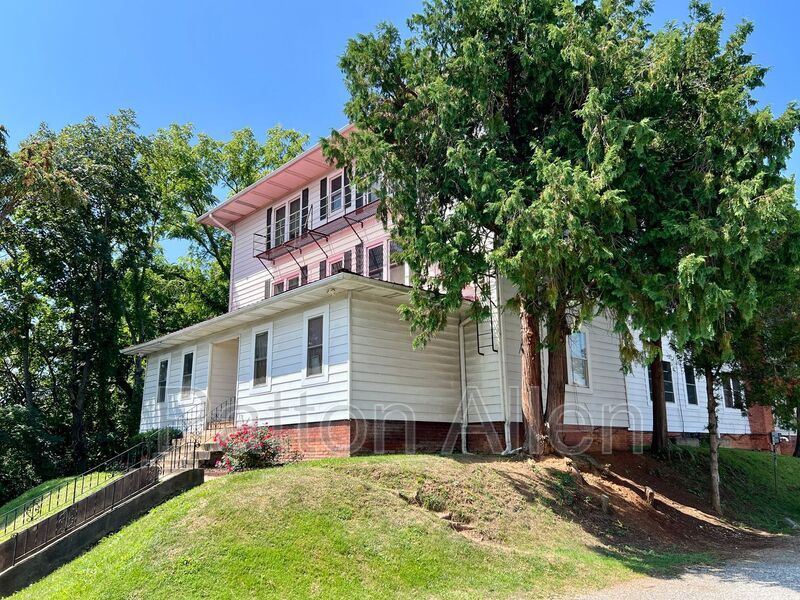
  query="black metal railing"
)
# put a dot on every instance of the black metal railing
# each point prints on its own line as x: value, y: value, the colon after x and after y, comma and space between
x: 310, y: 225
x: 222, y: 415
x: 72, y: 489
x: 137, y: 477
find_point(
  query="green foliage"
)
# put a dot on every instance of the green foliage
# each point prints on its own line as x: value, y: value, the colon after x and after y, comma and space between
x: 501, y: 134
x: 82, y: 275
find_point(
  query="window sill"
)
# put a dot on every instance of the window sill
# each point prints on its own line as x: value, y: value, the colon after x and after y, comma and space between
x: 578, y: 389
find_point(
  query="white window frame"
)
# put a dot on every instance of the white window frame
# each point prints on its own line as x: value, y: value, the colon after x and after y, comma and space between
x: 333, y: 214
x: 332, y: 260
x: 159, y: 360
x: 285, y: 282
x: 267, y: 385
x: 193, y: 351
x: 384, y: 266
x: 573, y: 387
x: 324, y: 312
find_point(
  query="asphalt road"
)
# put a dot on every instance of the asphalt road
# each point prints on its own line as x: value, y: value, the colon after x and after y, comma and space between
x: 772, y: 573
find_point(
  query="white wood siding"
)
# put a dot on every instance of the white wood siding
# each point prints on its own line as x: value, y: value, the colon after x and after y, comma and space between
x: 682, y: 417
x: 391, y: 380
x: 289, y: 399
x: 482, y: 375
x: 158, y: 414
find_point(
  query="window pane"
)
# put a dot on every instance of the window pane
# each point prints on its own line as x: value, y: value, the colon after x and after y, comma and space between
x: 315, y: 331
x: 727, y: 392
x: 336, y: 267
x: 738, y: 396
x: 280, y: 225
x: 188, y: 361
x: 314, y: 366
x: 278, y: 288
x: 260, y: 358
x: 691, y: 385
x: 375, y: 258
x: 669, y: 391
x: 579, y: 363
x: 162, y: 380
x: 294, y: 282
x: 294, y: 219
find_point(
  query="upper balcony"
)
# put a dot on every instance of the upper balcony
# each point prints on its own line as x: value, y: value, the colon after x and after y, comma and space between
x: 299, y: 223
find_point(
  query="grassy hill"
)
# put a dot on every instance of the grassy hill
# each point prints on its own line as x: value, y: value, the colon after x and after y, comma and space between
x: 382, y: 526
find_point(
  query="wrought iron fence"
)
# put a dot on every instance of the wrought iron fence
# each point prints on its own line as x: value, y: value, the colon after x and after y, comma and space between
x: 34, y: 535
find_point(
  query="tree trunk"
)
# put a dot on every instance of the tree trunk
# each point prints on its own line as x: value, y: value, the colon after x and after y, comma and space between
x: 531, y: 396
x: 713, y: 430
x: 660, y: 442
x: 797, y: 434
x: 27, y: 379
x: 556, y: 377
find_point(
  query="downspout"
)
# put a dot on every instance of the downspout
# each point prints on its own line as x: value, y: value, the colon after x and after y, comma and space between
x: 462, y: 363
x: 503, y: 383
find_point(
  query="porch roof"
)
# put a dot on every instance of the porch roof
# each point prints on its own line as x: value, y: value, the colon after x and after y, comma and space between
x: 298, y: 297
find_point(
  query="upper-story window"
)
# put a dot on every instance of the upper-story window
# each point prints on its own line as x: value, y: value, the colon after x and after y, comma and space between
x: 335, y: 196
x: 375, y: 262
x: 294, y: 218
x: 280, y: 226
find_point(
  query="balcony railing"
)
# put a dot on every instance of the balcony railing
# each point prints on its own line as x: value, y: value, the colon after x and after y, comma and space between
x: 310, y: 225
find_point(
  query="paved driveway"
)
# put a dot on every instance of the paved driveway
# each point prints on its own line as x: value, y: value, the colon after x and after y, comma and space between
x: 772, y: 574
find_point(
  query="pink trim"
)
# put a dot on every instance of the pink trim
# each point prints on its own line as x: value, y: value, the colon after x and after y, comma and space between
x: 293, y: 175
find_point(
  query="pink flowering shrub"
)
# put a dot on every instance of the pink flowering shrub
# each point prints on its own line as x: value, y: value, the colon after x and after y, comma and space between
x: 253, y: 447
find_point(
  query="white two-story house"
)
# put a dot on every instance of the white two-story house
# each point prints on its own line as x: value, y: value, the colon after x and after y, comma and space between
x: 313, y: 344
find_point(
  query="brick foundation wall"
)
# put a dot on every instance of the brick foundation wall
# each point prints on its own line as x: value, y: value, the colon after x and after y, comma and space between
x: 368, y: 436
x: 361, y: 436
x: 318, y: 440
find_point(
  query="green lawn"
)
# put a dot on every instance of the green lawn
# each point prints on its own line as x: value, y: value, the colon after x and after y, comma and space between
x: 62, y: 496
x: 359, y: 528
x: 747, y: 485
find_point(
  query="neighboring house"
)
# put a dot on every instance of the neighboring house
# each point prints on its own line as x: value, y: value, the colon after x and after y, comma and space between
x: 313, y: 344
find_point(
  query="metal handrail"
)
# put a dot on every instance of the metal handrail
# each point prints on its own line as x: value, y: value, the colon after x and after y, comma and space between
x: 57, y: 525
x: 73, y: 489
x: 225, y: 412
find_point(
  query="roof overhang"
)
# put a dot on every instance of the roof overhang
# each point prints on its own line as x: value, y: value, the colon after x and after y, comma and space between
x: 330, y: 287
x: 291, y: 176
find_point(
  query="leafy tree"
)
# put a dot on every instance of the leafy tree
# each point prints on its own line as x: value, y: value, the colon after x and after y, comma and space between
x: 501, y: 134
x: 742, y: 203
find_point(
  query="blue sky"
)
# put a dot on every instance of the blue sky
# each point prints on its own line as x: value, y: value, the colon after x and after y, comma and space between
x: 223, y: 66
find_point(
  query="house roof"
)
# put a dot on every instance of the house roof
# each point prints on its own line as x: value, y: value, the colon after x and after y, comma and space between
x: 331, y: 286
x: 290, y: 176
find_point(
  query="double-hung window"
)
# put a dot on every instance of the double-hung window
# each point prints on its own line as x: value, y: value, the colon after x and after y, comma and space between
x: 294, y: 218
x: 163, y: 373
x: 732, y: 391
x: 335, y: 194
x: 375, y: 262
x: 187, y: 374
x: 280, y: 226
x: 336, y: 266
x: 691, y: 384
x: 578, y: 359
x: 278, y: 288
x: 314, y: 345
x: 669, y: 390
x: 260, y: 353
x: 293, y: 282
